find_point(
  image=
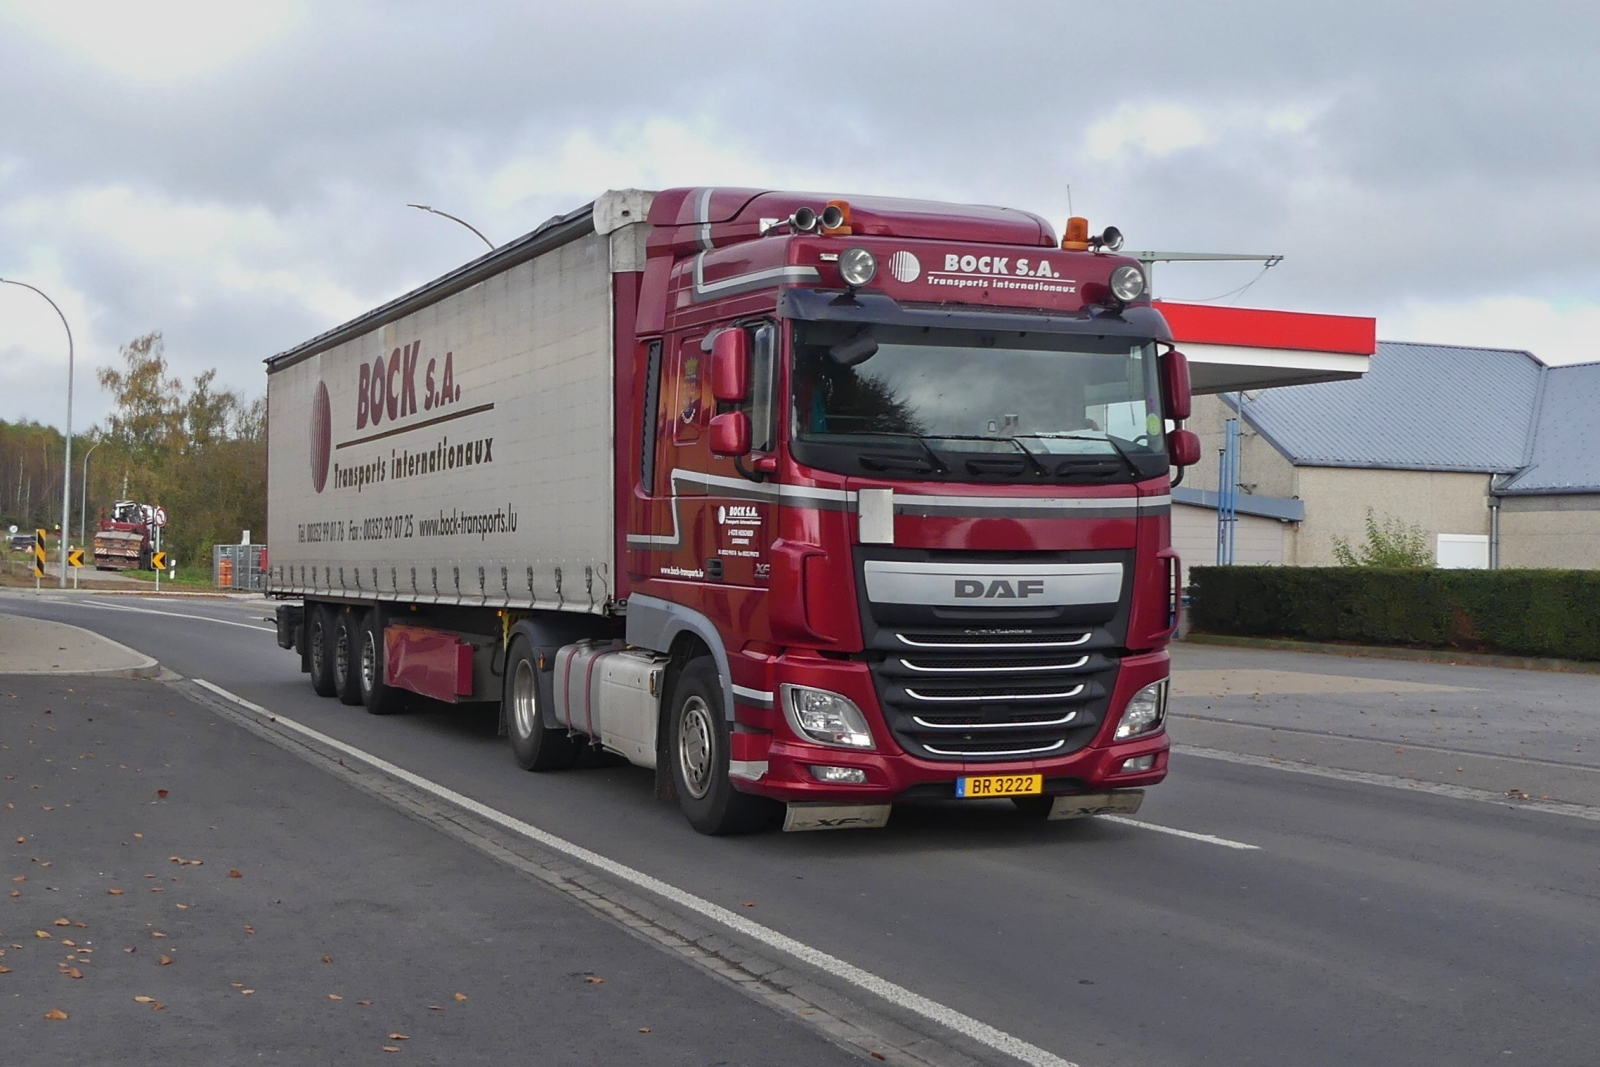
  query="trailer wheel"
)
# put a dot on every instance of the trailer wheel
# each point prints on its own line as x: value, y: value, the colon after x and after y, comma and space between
x: 697, y: 748
x: 319, y: 648
x: 535, y: 745
x: 379, y: 697
x: 346, y: 668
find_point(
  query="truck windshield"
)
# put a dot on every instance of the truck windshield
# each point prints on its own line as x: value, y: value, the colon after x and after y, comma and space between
x: 972, y: 405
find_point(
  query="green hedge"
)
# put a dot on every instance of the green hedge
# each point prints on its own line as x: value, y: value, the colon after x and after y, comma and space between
x: 1522, y: 613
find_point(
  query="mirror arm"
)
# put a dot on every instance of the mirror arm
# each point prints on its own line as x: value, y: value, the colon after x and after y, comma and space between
x: 754, y: 476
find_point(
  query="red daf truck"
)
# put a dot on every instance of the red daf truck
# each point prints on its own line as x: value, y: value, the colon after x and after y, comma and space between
x: 812, y: 504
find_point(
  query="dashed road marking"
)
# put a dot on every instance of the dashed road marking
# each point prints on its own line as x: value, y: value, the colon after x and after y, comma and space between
x: 895, y: 994
x: 1175, y: 832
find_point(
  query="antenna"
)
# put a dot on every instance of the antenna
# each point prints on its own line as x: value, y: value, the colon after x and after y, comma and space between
x: 1069, y: 201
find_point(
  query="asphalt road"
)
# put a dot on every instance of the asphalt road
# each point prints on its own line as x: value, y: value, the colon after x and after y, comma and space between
x: 1368, y: 924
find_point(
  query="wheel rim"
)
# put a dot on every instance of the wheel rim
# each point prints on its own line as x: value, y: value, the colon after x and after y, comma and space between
x: 369, y: 663
x: 341, y: 655
x: 694, y: 746
x: 524, y: 701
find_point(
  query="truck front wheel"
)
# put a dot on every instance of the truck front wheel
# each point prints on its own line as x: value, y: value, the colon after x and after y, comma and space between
x: 697, y: 747
x: 346, y: 669
x: 536, y: 746
x: 319, y: 649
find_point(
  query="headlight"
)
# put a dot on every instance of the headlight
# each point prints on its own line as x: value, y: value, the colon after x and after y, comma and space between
x: 1127, y: 282
x: 825, y: 717
x: 857, y: 267
x: 1144, y: 712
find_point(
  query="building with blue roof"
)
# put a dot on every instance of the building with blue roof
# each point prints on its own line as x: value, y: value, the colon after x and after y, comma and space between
x: 1494, y: 454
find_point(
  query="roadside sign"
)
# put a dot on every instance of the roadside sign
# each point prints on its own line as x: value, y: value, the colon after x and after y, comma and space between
x: 161, y: 519
x: 158, y: 562
x: 75, y: 558
x: 38, y: 553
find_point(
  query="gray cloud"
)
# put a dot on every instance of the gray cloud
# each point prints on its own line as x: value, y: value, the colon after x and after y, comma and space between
x: 1394, y: 152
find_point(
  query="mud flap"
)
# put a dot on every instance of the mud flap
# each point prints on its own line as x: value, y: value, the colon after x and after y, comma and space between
x: 1121, y: 802
x: 835, y: 817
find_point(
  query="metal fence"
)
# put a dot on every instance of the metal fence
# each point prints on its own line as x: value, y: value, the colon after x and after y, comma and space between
x: 239, y: 567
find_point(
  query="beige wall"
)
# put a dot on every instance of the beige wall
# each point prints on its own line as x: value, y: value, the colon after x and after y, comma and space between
x: 1262, y: 468
x: 1194, y: 535
x: 1548, y: 531
x: 1337, y: 499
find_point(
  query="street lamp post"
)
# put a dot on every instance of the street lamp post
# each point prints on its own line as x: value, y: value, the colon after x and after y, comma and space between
x: 83, y: 504
x: 452, y: 218
x: 66, y: 466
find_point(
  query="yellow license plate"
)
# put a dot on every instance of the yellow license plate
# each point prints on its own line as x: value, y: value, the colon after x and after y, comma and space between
x: 1000, y: 785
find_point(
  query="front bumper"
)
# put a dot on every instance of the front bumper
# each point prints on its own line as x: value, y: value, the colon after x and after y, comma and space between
x: 777, y: 764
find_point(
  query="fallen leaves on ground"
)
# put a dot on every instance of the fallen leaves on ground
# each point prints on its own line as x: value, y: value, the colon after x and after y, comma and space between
x: 327, y: 959
x: 144, y: 1000
x: 73, y: 972
x: 5, y: 970
x: 436, y: 1007
x: 334, y: 996
x: 461, y: 996
x: 41, y: 933
x: 593, y: 979
x: 20, y: 878
x: 114, y: 892
x: 162, y: 793
x: 164, y: 961
x: 399, y: 1037
x: 644, y: 1029
x: 55, y: 1014
x: 157, y: 933
x: 235, y: 874
x: 249, y: 929
x: 390, y: 1048
x: 63, y: 922
x: 246, y: 992
x: 364, y: 1003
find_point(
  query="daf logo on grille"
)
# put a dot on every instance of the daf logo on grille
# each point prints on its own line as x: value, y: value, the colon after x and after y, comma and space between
x: 999, y: 589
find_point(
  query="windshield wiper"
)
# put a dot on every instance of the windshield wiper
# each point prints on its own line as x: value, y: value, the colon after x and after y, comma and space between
x: 939, y: 465
x: 1121, y: 452
x: 1032, y: 458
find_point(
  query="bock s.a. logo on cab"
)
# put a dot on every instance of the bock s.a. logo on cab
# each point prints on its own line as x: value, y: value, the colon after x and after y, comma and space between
x: 998, y: 588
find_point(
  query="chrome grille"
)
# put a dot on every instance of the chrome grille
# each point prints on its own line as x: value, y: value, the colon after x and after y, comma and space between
x: 994, y: 696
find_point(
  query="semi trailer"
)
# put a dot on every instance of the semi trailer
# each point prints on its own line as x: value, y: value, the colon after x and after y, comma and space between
x: 811, y: 504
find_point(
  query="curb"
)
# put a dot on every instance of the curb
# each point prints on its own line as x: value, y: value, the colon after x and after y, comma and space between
x: 1416, y: 655
x: 147, y: 667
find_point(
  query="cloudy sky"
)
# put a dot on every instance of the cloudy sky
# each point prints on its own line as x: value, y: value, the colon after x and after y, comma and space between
x: 236, y: 175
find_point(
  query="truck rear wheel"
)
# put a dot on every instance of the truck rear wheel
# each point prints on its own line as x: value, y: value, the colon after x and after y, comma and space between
x: 698, y: 747
x: 379, y: 697
x: 536, y: 746
x: 346, y: 669
x: 319, y: 648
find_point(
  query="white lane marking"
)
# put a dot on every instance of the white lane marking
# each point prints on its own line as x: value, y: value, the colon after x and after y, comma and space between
x: 175, y: 615
x: 1390, y: 781
x: 895, y: 994
x: 1175, y: 832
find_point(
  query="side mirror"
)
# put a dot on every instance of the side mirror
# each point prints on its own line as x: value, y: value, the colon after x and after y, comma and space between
x: 730, y: 435
x: 730, y: 366
x: 1183, y: 446
x: 1175, y: 384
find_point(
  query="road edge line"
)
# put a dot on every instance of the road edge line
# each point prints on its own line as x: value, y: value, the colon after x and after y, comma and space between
x: 1391, y: 781
x: 895, y: 994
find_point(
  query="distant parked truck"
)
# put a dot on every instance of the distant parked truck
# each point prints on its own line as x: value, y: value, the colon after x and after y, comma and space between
x: 810, y: 505
x: 123, y: 541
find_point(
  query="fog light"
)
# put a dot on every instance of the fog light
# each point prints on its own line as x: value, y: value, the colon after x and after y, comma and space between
x: 840, y: 775
x: 1136, y: 764
x: 857, y: 267
x: 1127, y: 282
x: 1144, y: 712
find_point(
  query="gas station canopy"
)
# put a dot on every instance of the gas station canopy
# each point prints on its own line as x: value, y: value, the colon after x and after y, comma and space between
x: 1232, y: 349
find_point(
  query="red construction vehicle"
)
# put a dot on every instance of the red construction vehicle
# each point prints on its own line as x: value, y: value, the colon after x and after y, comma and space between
x: 811, y: 504
x: 123, y: 541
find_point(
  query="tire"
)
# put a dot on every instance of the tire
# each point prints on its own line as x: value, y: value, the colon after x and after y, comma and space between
x: 319, y: 649
x: 346, y: 668
x: 535, y: 746
x: 379, y: 697
x: 697, y: 749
